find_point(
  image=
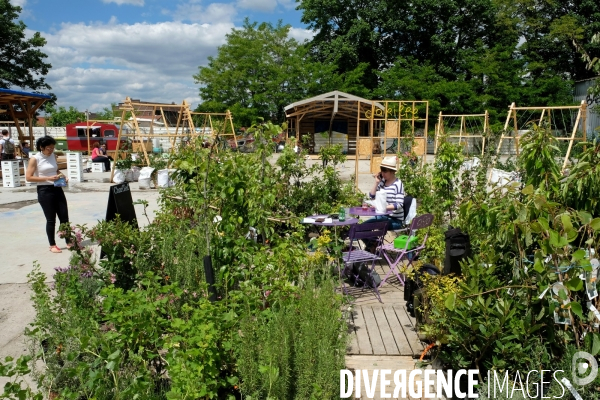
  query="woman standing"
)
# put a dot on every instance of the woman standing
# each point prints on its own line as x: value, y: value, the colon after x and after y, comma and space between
x: 43, y: 170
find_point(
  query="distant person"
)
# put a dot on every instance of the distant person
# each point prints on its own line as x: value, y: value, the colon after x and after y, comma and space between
x: 104, y: 152
x: 25, y: 149
x: 7, y: 146
x: 43, y: 170
x: 98, y: 157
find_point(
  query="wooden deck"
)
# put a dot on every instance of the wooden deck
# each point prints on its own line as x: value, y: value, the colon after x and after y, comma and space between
x: 382, y: 328
x: 382, y: 334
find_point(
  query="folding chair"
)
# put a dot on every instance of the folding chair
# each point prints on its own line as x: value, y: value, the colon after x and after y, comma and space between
x: 387, y: 249
x: 374, y: 231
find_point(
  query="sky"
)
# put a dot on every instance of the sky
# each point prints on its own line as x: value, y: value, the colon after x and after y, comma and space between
x: 103, y: 51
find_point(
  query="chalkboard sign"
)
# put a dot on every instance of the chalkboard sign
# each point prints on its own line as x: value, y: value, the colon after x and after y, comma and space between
x: 120, y: 202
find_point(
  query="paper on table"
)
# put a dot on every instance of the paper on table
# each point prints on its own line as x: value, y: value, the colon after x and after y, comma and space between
x: 328, y: 221
x: 308, y: 221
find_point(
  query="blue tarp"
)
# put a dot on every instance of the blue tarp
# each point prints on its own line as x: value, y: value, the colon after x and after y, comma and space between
x: 29, y: 94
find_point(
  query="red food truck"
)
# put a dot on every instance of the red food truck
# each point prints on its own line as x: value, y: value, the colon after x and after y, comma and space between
x: 78, y: 133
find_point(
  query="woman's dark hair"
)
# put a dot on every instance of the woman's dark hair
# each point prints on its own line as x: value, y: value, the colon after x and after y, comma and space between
x: 44, y: 141
x: 96, y: 145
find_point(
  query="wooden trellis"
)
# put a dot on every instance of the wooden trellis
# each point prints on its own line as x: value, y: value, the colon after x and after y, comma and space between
x: 467, y: 128
x: 401, y: 125
x: 177, y: 123
x: 219, y: 125
x: 567, y: 123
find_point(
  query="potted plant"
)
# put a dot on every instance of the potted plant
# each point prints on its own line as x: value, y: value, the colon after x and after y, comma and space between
x: 122, y: 170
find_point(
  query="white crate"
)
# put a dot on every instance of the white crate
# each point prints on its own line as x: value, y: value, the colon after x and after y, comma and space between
x: 11, y: 184
x: 76, y: 176
x: 98, y: 167
x: 74, y: 156
x: 10, y: 167
x: 11, y: 181
x: 10, y: 164
x: 77, y: 171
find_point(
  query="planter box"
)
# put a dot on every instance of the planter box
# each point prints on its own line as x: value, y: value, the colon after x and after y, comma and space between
x: 138, y: 146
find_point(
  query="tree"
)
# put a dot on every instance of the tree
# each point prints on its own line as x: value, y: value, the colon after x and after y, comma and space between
x: 262, y: 68
x: 443, y: 33
x: 62, y: 116
x: 107, y: 113
x: 21, y: 60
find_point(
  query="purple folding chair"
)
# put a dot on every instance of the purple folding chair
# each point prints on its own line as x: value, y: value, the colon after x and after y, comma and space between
x: 394, y: 256
x: 374, y: 231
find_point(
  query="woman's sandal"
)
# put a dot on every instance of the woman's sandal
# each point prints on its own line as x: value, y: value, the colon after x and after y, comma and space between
x: 55, y: 249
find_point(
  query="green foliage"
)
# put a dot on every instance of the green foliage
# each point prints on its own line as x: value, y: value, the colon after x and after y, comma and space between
x: 262, y: 68
x: 21, y: 58
x: 539, y: 165
x: 333, y: 153
x: 124, y: 164
x: 447, y: 164
x: 294, y: 350
x: 107, y: 113
x: 580, y: 189
x: 200, y: 350
x: 62, y: 116
x: 317, y: 189
x: 16, y: 370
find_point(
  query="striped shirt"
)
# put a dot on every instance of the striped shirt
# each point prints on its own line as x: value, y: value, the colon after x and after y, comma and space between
x: 395, y: 196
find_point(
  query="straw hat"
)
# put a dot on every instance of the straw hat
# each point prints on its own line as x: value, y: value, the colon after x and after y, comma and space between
x: 390, y: 162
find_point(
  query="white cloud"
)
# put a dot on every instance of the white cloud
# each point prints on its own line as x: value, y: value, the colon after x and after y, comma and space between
x: 193, y: 11
x: 288, y: 4
x: 301, y: 34
x: 20, y: 3
x: 121, y: 2
x: 258, y: 5
x: 103, y: 63
x: 96, y: 88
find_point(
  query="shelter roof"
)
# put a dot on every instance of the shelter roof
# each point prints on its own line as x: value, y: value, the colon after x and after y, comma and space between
x: 8, y: 94
x: 20, y: 105
x: 335, y: 102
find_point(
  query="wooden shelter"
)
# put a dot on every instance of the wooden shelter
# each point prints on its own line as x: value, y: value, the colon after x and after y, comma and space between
x: 20, y: 107
x: 567, y: 123
x: 329, y: 118
x: 369, y: 129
